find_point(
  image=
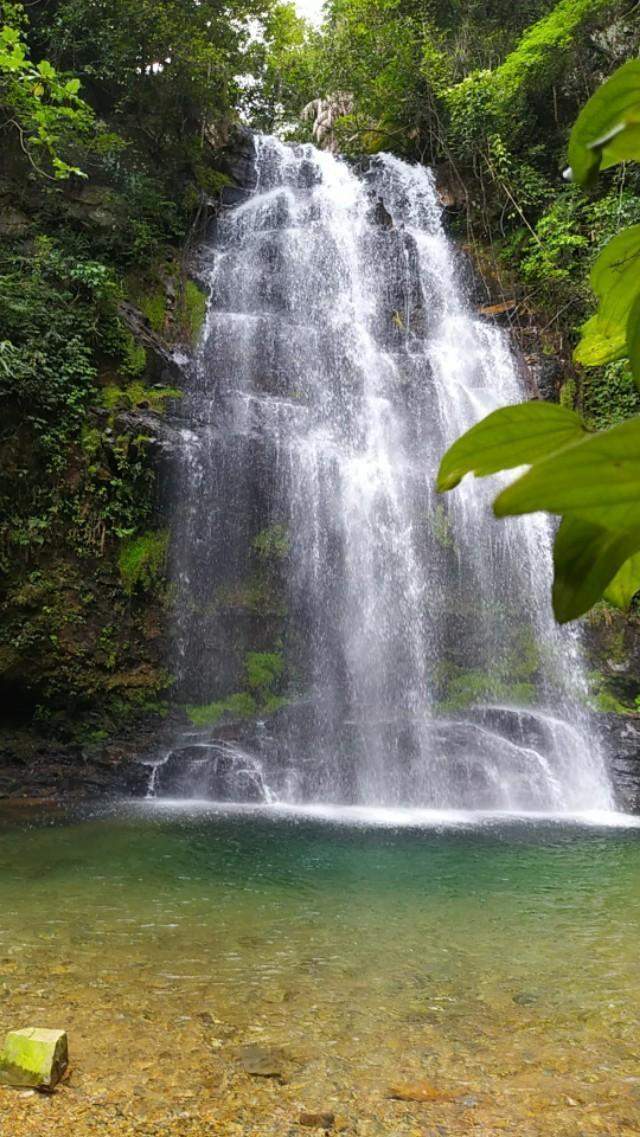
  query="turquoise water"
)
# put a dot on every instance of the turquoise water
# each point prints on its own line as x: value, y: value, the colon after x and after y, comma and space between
x: 498, y: 963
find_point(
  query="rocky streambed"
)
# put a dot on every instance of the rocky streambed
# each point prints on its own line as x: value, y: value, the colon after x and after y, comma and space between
x: 241, y: 976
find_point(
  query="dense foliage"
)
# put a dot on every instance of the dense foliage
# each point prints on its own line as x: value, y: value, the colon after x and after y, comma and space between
x: 115, y: 118
x: 592, y: 481
x: 488, y: 92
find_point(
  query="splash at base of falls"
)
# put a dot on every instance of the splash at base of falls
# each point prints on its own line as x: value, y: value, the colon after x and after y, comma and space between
x: 501, y: 759
x: 198, y: 768
x: 340, y: 358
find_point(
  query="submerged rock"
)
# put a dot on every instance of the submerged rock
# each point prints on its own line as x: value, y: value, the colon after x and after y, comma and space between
x: 262, y: 1061
x: 418, y: 1091
x: 34, y: 1057
x: 317, y: 1120
x: 525, y: 998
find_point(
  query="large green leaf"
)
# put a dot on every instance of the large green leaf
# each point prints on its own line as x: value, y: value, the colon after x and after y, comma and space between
x: 511, y: 436
x: 587, y: 558
x: 596, y: 479
x: 633, y: 338
x: 607, y: 129
x: 625, y: 583
x: 615, y: 279
x: 600, y: 343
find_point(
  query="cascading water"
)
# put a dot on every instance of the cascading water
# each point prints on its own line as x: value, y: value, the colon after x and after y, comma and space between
x: 339, y: 360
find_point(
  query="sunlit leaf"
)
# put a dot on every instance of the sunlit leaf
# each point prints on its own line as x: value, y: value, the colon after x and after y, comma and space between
x: 511, y: 436
x: 625, y: 583
x: 596, y: 479
x: 633, y: 339
x: 600, y: 343
x: 46, y: 69
x: 615, y: 279
x: 607, y: 129
x: 9, y: 35
x: 587, y: 560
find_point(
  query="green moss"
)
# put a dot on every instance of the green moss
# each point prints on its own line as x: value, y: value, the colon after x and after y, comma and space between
x: 255, y: 595
x: 522, y: 660
x: 273, y: 703
x: 212, y: 181
x: 90, y: 441
x: 609, y: 394
x: 272, y: 543
x: 134, y: 357
x: 154, y: 306
x: 606, y: 703
x: 568, y: 394
x: 142, y: 560
x: 441, y: 527
x: 602, y: 699
x: 464, y: 687
x: 240, y: 705
x: 193, y: 309
x: 264, y: 670
x: 96, y: 736
x: 136, y: 395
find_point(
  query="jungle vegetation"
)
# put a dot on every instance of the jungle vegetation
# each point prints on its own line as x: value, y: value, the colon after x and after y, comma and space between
x: 592, y: 480
x: 115, y: 120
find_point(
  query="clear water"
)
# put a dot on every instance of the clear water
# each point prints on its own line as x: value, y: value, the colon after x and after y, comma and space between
x: 341, y: 356
x: 496, y: 963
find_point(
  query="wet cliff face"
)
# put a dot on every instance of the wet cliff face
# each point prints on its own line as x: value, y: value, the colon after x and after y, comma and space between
x: 111, y: 309
x: 311, y: 559
x: 87, y: 648
x: 83, y: 599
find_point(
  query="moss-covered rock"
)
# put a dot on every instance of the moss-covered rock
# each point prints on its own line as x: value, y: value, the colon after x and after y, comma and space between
x: 142, y: 560
x: 34, y: 1057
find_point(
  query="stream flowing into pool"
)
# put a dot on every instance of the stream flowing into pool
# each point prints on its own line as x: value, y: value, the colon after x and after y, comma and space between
x: 492, y: 966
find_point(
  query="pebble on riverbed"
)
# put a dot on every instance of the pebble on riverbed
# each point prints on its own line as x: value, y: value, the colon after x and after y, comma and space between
x: 317, y: 1120
x: 34, y: 1057
x: 262, y: 1061
x: 419, y: 1091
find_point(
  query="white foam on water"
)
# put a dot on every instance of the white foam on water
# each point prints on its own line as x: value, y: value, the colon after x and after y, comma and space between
x: 361, y: 816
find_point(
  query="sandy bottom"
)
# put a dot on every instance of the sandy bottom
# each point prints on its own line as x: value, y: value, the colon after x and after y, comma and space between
x: 492, y: 971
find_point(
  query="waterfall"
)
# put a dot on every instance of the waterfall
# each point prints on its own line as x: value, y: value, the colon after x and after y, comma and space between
x: 340, y: 357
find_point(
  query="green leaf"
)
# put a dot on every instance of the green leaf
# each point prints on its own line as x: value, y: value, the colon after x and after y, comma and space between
x: 9, y: 35
x: 600, y: 343
x: 511, y: 436
x: 587, y: 560
x: 46, y: 70
x: 596, y: 479
x: 607, y: 130
x: 622, y: 589
x: 615, y: 279
x: 633, y: 339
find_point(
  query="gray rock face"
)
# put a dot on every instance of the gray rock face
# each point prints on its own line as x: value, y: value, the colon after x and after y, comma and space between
x: 13, y: 222
x: 238, y: 158
x: 622, y: 736
x: 217, y: 771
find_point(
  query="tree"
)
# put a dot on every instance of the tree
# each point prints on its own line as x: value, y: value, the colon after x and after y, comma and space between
x: 41, y: 104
